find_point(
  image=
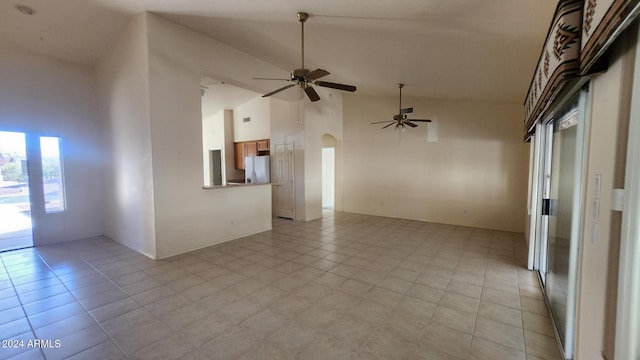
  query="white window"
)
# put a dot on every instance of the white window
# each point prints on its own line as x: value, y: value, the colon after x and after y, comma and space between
x: 52, y: 174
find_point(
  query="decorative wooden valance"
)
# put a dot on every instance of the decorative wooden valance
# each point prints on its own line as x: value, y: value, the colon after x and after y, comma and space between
x: 602, y: 21
x: 580, y: 33
x: 558, y: 62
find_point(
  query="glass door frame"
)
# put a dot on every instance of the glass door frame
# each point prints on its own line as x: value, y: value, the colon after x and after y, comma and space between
x: 544, y: 135
x: 37, y: 200
x: 536, y: 224
x: 545, y: 186
x: 29, y: 184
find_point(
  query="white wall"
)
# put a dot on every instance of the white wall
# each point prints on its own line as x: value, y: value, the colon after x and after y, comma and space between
x: 475, y: 174
x: 187, y: 216
x: 44, y: 96
x: 259, y: 126
x: 123, y: 86
x: 230, y: 172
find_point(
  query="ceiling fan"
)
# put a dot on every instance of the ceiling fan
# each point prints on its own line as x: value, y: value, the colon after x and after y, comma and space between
x: 304, y: 78
x: 400, y: 119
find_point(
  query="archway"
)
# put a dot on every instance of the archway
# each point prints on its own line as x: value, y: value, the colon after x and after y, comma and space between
x: 329, y: 144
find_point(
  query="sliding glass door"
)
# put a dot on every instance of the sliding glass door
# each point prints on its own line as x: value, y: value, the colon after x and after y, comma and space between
x: 560, y: 216
x: 560, y: 204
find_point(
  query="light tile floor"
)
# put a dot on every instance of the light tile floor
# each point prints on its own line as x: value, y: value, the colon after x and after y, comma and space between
x: 346, y: 286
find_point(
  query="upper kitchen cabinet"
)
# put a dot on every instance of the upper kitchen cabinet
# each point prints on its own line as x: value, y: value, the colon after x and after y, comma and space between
x: 263, y: 145
x: 238, y: 155
x: 251, y: 148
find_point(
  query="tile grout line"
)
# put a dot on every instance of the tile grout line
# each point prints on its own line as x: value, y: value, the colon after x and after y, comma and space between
x: 85, y: 309
x: 33, y: 331
x: 524, y: 338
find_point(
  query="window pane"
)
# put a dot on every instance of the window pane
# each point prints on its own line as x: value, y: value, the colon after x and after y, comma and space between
x: 52, y: 179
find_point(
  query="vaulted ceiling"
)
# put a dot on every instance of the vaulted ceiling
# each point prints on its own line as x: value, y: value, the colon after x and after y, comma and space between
x: 454, y: 49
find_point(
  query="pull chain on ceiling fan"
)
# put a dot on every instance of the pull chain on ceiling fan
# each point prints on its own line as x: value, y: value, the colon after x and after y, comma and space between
x: 304, y: 77
x: 400, y: 119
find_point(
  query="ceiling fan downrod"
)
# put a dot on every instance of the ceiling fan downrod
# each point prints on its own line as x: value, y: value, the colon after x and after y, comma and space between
x: 302, y: 17
x: 400, y: 85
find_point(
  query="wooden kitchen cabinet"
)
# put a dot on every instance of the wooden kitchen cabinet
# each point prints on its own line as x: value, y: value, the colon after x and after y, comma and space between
x: 244, y: 149
x: 238, y: 155
x: 263, y: 145
x: 250, y: 148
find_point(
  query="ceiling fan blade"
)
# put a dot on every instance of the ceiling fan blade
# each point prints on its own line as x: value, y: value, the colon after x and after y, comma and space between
x: 264, y: 78
x: 410, y: 124
x: 380, y: 122
x: 311, y: 93
x: 277, y: 91
x: 337, y: 86
x: 386, y: 126
x: 317, y: 74
x: 406, y: 110
x: 420, y: 120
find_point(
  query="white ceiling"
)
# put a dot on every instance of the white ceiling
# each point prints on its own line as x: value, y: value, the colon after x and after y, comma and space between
x: 455, y: 49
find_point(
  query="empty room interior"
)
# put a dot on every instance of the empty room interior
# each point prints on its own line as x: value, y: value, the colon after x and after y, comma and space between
x: 320, y: 180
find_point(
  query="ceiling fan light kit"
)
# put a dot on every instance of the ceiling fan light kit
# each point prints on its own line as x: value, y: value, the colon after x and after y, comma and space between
x: 305, y: 78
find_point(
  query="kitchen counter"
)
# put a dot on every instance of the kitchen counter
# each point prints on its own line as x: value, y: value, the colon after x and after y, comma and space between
x: 231, y: 184
x: 236, y: 182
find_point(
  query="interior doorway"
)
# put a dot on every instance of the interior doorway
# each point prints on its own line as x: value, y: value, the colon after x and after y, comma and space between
x: 328, y: 177
x: 16, y: 230
x: 329, y: 144
x: 215, y: 167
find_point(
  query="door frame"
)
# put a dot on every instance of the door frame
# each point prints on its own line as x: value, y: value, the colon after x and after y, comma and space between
x: 539, y: 223
x: 535, y: 221
x: 39, y: 215
x: 212, y: 168
x: 32, y: 156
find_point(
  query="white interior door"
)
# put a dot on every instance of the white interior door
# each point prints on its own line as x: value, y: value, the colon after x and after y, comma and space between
x: 284, y: 194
